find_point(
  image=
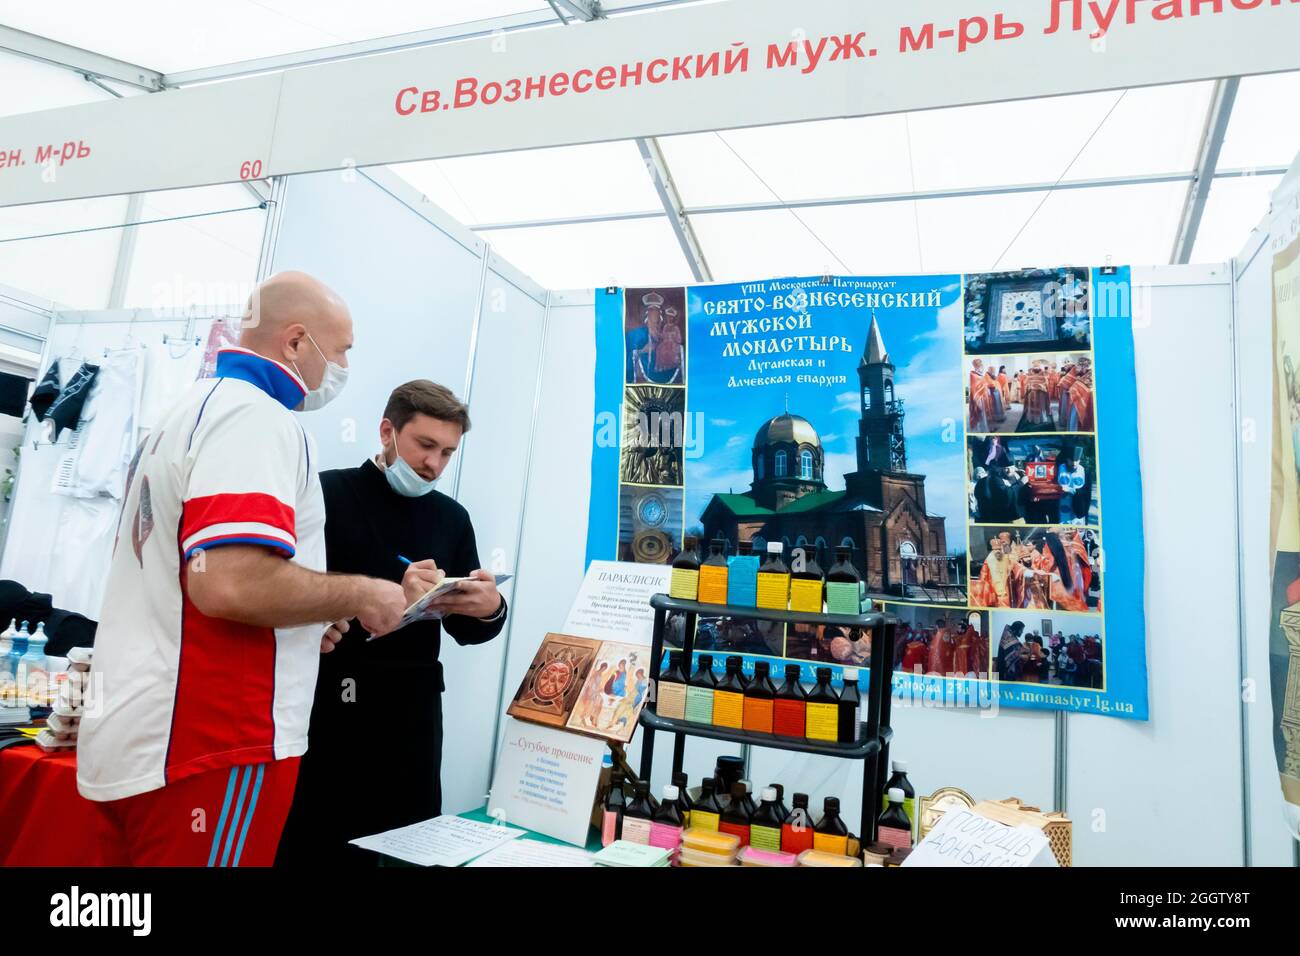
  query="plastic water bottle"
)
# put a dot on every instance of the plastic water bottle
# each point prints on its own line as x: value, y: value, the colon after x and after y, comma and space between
x: 7, y: 665
x: 33, y: 673
x: 17, y: 647
x: 7, y: 638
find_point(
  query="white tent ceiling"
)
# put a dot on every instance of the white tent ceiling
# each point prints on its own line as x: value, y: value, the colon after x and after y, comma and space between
x: 171, y: 36
x: 1087, y: 178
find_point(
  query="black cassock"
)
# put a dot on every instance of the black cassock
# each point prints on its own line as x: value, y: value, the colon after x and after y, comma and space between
x: 374, y: 750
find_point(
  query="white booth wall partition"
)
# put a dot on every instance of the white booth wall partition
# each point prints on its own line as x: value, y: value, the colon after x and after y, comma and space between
x: 429, y: 300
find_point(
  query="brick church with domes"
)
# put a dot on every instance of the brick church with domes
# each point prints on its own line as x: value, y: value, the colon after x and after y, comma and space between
x: 899, y: 548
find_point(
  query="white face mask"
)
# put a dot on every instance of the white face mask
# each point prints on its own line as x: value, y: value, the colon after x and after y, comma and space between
x: 331, y: 383
x: 404, y: 479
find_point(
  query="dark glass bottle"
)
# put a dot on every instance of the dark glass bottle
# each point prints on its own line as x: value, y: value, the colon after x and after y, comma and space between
x: 760, y: 698
x: 699, y: 693
x: 894, y: 827
x: 780, y: 801
x: 850, y: 699
x: 667, y: 825
x: 831, y: 835
x: 736, y: 818
x: 806, y: 586
x: 670, y: 691
x: 842, y: 593
x: 685, y: 580
x: 797, y: 830
x: 706, y: 813
x: 683, y: 797
x: 823, y: 717
x: 726, y: 771
x: 899, y: 779
x: 774, y: 580
x: 611, y: 827
x: 765, y: 825
x: 729, y: 697
x: 750, y: 805
x: 638, y: 815
x: 790, y: 708
x: 713, y: 574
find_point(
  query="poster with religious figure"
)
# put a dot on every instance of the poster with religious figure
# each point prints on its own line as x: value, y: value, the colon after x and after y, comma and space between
x: 966, y: 441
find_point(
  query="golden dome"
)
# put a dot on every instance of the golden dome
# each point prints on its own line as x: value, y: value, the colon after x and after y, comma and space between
x: 787, y: 428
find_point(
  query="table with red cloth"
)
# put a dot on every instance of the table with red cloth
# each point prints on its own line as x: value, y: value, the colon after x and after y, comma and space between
x: 44, y: 821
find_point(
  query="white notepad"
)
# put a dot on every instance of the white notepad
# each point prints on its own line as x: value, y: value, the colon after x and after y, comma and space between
x: 533, y: 853
x: 443, y: 841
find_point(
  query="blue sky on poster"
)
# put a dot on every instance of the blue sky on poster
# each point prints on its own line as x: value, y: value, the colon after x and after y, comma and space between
x: 923, y: 343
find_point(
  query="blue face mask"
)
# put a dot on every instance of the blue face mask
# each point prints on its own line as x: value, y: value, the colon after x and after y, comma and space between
x: 404, y: 480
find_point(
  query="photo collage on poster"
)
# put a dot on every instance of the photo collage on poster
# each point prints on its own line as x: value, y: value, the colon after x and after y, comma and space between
x: 650, y: 519
x: 1034, y: 500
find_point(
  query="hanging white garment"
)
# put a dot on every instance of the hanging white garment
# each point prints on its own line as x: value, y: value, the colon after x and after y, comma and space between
x: 34, y: 511
x: 58, y: 544
x: 65, y: 471
x: 77, y: 577
x: 33, y: 516
x: 169, y: 369
x: 107, y: 432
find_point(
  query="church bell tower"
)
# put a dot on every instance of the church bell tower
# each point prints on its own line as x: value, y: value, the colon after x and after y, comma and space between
x: 880, y: 444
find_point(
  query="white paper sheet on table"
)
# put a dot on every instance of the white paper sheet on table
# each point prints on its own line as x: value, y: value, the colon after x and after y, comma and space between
x: 443, y: 841
x: 533, y: 853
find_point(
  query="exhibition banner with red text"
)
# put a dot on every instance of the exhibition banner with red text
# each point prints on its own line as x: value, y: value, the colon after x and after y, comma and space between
x: 713, y: 66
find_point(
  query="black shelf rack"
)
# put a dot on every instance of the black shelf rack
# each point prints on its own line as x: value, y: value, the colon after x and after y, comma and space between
x: 872, y: 746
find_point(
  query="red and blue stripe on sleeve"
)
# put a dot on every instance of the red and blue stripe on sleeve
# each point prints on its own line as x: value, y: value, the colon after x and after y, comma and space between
x: 250, y: 518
